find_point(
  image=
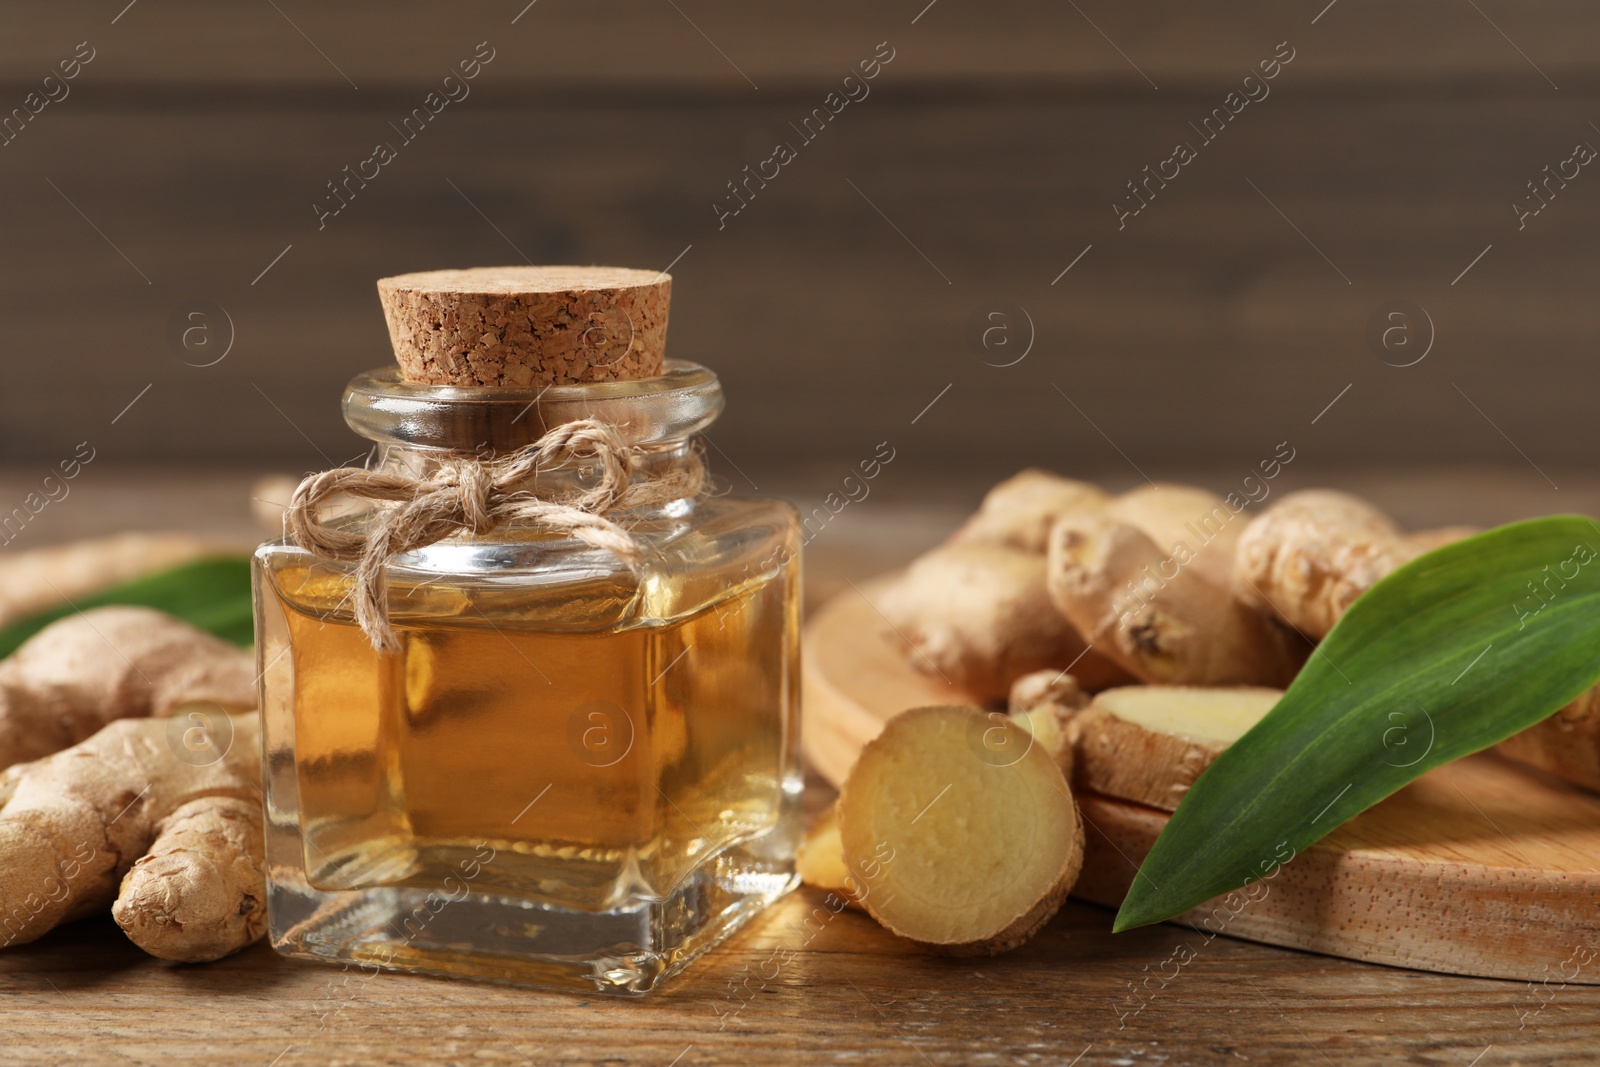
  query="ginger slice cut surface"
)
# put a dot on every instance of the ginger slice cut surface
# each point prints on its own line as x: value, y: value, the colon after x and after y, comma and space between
x: 820, y: 859
x: 1149, y: 744
x: 976, y: 838
x: 1204, y: 712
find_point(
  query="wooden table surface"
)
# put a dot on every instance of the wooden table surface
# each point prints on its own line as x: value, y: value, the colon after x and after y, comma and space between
x: 849, y: 993
x: 801, y: 985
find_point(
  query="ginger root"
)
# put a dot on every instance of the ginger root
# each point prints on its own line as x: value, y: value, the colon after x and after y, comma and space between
x: 972, y: 611
x: 51, y: 577
x: 971, y: 854
x: 1567, y: 744
x: 199, y: 893
x: 73, y: 824
x: 979, y: 616
x: 81, y: 672
x: 1149, y: 743
x: 1158, y: 615
x: 1184, y: 521
x: 1019, y: 512
x: 1309, y: 556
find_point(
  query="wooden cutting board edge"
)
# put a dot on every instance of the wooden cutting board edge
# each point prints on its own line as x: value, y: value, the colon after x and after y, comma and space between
x: 1471, y: 914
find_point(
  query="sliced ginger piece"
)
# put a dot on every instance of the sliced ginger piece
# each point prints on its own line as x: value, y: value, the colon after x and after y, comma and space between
x: 1212, y: 713
x: 978, y: 843
x: 1044, y: 703
x: 1148, y: 743
x: 820, y: 859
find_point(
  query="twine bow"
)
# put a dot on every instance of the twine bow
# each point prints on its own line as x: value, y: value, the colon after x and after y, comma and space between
x: 469, y: 493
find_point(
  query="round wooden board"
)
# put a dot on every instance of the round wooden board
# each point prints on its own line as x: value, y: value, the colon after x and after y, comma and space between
x: 1480, y: 867
x: 854, y: 680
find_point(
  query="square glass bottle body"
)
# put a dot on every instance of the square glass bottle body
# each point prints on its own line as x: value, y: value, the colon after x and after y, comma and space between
x: 573, y: 773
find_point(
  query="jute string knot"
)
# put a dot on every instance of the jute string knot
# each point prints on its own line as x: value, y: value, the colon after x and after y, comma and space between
x: 479, y: 494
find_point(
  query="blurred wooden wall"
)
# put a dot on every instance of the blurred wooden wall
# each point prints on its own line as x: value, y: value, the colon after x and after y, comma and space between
x: 854, y: 290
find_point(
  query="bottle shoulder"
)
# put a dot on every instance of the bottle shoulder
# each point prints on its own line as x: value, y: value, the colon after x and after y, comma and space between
x: 689, y: 559
x: 730, y: 523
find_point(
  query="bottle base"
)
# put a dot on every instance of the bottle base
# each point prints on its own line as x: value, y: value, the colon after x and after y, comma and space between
x: 625, y: 951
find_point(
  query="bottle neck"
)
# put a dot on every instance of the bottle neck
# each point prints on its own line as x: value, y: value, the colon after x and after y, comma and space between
x: 670, y: 462
x: 421, y: 429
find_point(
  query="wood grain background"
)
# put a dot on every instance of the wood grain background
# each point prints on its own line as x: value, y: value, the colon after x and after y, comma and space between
x: 853, y: 291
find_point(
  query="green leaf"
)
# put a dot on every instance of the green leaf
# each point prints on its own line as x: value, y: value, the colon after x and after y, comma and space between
x: 1447, y: 655
x: 212, y: 594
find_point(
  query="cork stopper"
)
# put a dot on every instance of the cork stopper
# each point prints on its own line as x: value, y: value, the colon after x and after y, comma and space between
x: 528, y: 327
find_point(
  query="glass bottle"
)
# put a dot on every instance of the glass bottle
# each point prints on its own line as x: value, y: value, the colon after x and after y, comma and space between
x: 575, y: 773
